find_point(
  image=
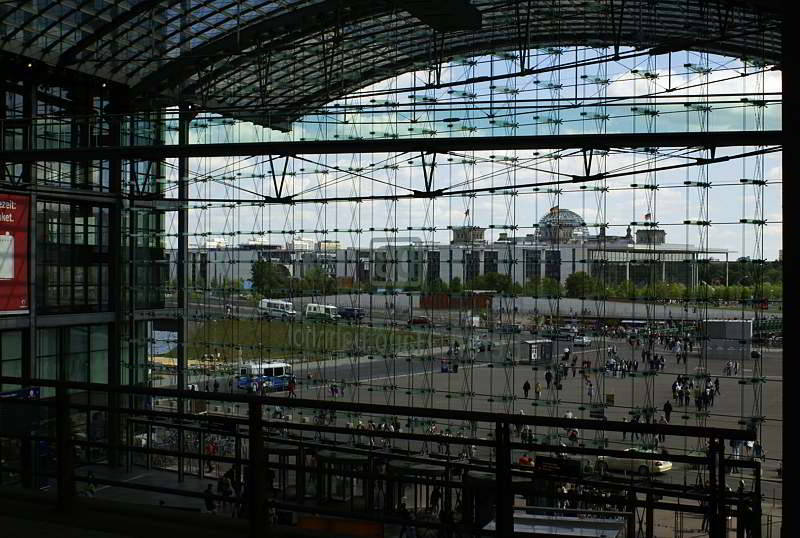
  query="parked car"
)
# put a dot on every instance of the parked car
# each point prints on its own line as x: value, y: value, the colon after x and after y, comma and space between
x: 634, y: 464
x: 508, y: 328
x: 423, y: 321
x: 582, y: 340
x: 352, y: 313
x: 479, y: 345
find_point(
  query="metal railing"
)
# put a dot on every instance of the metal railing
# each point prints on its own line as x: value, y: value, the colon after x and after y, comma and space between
x: 322, y: 466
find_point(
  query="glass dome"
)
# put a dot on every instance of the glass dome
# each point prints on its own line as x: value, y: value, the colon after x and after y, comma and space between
x: 562, y: 226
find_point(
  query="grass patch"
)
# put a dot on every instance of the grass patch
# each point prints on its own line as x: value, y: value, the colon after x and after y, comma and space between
x: 260, y: 339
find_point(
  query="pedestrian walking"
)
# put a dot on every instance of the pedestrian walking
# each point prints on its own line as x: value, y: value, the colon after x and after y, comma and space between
x: 526, y: 387
x: 91, y: 485
x: 208, y: 499
x: 538, y: 390
x: 405, y: 516
x: 548, y: 378
x: 436, y: 496
x: 716, y: 385
x: 667, y: 410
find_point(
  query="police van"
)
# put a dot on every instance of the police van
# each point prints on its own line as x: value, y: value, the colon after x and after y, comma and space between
x: 273, y: 376
x: 274, y: 308
x: 322, y: 312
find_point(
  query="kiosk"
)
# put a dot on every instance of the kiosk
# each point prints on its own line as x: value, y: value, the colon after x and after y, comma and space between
x: 539, y: 351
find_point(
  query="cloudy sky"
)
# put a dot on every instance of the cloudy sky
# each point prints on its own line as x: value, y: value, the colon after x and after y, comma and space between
x: 523, y: 105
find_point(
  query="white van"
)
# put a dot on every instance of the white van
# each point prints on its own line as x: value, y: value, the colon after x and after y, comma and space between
x: 274, y: 308
x: 567, y: 332
x: 322, y: 312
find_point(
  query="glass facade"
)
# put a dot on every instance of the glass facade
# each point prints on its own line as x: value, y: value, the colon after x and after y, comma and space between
x: 490, y: 258
x: 73, y: 258
x: 434, y: 259
x: 552, y: 264
x: 10, y: 357
x: 78, y: 353
x: 532, y: 261
x: 472, y: 265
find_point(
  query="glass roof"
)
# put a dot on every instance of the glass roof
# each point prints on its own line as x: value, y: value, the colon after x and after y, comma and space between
x: 272, y: 61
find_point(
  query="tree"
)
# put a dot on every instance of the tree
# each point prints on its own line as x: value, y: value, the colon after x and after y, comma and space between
x: 492, y: 281
x: 533, y: 287
x: 455, y: 285
x: 580, y: 284
x: 269, y: 279
x: 317, y: 282
x: 435, y: 286
x: 551, y: 287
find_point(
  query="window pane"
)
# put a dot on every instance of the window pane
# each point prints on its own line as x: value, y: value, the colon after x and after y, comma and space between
x: 78, y: 339
x: 10, y: 357
x: 47, y: 342
x: 11, y: 345
x: 99, y: 338
x: 99, y: 367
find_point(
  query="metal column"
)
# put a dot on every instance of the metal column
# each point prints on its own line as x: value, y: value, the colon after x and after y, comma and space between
x: 256, y: 477
x: 182, y: 251
x: 790, y: 82
x: 64, y: 463
x: 504, y: 512
x: 116, y: 296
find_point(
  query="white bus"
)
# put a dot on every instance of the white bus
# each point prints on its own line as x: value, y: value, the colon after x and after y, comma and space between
x: 322, y: 312
x: 275, y: 308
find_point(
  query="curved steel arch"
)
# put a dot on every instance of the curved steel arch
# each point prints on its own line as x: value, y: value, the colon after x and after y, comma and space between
x: 390, y: 44
x: 288, y: 107
x: 211, y: 52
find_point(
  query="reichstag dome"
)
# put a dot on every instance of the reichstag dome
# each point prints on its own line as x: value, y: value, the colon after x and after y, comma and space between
x: 561, y: 226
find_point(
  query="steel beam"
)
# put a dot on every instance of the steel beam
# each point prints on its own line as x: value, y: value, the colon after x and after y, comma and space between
x: 790, y: 160
x: 270, y: 31
x: 444, y: 15
x: 127, y: 15
x: 408, y: 145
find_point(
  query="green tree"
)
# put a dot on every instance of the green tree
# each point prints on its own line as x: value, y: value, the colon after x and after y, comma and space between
x: 580, y: 284
x: 492, y: 281
x: 435, y: 286
x: 269, y: 279
x: 704, y: 292
x: 533, y: 287
x: 318, y: 282
x: 625, y: 290
x: 455, y: 285
x: 551, y: 287
x: 676, y: 291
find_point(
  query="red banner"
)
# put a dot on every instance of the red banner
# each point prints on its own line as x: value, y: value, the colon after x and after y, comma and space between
x: 14, y: 225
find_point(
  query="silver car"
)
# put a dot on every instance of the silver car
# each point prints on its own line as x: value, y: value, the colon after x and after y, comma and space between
x: 635, y: 464
x: 582, y: 340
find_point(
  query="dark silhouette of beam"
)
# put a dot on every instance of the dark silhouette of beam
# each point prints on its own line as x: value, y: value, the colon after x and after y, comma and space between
x: 438, y: 145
